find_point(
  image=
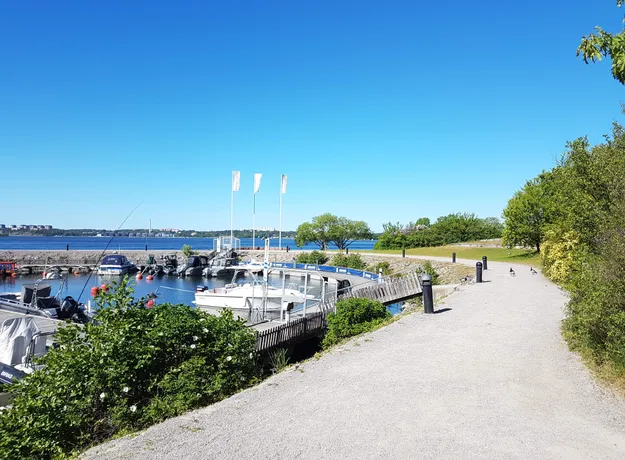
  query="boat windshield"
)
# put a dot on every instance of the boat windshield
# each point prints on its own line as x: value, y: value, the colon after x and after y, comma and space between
x: 113, y: 260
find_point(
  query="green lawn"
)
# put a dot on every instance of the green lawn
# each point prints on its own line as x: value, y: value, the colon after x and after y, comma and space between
x: 520, y: 256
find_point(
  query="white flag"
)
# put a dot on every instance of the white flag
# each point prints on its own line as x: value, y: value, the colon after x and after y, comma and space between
x: 257, y: 177
x: 283, y: 184
x: 236, y: 180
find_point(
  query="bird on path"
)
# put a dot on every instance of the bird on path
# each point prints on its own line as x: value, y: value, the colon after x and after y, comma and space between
x: 512, y: 272
x: 533, y: 271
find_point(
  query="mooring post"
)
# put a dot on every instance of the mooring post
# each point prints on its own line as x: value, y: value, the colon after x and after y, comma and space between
x: 428, y: 299
x: 67, y: 247
x: 403, y: 253
x: 485, y: 262
x: 453, y: 257
x: 346, y: 251
x: 146, y: 248
x: 478, y: 272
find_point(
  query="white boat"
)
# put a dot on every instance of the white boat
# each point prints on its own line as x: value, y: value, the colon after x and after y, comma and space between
x: 116, y: 264
x: 243, y: 299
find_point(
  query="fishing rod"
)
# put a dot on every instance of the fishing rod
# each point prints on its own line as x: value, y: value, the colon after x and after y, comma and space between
x: 106, y: 247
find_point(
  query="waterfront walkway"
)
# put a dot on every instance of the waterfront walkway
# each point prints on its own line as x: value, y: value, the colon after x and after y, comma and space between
x: 489, y: 376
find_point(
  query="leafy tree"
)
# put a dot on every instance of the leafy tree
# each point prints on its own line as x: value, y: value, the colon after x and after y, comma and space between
x: 423, y: 221
x: 595, y: 46
x: 132, y: 368
x: 528, y: 213
x: 328, y: 228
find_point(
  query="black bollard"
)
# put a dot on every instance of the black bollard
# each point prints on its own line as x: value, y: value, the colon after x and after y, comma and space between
x: 346, y: 251
x: 146, y: 247
x: 485, y: 262
x: 453, y: 257
x: 403, y: 253
x: 478, y: 272
x: 67, y: 248
x: 428, y: 299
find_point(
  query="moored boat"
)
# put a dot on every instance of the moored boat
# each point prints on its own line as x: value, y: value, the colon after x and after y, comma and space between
x: 116, y: 264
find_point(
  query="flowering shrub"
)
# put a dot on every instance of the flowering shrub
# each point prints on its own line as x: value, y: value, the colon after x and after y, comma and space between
x: 134, y: 367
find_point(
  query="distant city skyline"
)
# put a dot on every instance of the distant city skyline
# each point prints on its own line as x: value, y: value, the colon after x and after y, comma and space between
x: 376, y: 111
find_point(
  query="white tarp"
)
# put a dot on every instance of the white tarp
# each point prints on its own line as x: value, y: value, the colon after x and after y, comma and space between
x: 15, y: 336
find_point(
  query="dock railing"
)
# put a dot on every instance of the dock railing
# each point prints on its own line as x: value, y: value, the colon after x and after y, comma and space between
x: 301, y: 328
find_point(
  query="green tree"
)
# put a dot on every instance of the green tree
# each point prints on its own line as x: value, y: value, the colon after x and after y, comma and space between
x: 595, y: 46
x: 528, y: 213
x: 423, y: 221
x: 328, y: 228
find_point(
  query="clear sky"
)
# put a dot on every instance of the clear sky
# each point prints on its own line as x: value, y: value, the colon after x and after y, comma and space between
x: 380, y: 111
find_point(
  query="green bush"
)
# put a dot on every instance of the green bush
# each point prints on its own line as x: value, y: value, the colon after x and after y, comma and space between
x: 314, y: 257
x: 136, y: 366
x: 430, y: 270
x: 349, y: 261
x: 187, y: 250
x: 353, y: 317
x: 384, y: 266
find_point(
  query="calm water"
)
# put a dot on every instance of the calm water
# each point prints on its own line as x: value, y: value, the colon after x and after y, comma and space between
x: 124, y: 243
x: 168, y: 288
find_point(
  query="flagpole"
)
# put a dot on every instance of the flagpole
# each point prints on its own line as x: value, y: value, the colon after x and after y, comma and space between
x: 254, y: 224
x: 232, y: 217
x: 280, y: 238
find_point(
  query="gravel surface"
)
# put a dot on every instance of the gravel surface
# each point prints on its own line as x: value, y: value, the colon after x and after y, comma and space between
x: 489, y: 376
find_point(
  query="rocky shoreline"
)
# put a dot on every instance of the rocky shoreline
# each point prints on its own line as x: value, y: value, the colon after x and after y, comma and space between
x: 449, y: 273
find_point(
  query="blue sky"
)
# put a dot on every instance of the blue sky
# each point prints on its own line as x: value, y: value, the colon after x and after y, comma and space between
x: 380, y: 111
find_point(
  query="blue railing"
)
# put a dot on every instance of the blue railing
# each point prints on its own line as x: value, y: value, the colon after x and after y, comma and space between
x: 326, y: 268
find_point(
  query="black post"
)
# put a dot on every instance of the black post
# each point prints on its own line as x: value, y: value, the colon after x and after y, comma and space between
x: 428, y: 299
x: 478, y: 272
x: 146, y: 247
x: 403, y: 253
x: 485, y: 262
x: 346, y: 251
x: 453, y: 257
x: 67, y: 248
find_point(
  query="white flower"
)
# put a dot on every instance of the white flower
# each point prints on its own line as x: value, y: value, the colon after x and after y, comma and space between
x: 205, y: 330
x: 251, y: 355
x: 195, y: 337
x: 229, y: 358
x: 202, y: 319
x: 102, y: 395
x: 160, y: 334
x: 133, y: 408
x: 192, y: 345
x: 125, y: 390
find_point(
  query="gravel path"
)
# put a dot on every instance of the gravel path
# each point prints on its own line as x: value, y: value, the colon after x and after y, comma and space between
x: 490, y: 377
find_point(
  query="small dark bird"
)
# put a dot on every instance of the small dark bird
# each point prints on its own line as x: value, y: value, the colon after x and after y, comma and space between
x: 512, y: 272
x: 533, y: 271
x: 464, y: 279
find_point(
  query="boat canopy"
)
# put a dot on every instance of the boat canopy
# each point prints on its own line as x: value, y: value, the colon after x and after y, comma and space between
x: 114, y: 259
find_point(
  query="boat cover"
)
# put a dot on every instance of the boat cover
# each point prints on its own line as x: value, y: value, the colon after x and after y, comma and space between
x: 15, y: 337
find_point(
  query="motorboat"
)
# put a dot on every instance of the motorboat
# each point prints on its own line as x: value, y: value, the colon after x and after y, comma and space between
x: 53, y: 273
x: 116, y: 264
x: 170, y: 264
x: 194, y: 266
x: 244, y: 299
x: 221, y: 267
x: 21, y: 341
x: 35, y: 300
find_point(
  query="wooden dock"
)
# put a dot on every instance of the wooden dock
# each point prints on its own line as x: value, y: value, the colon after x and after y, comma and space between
x: 311, y: 322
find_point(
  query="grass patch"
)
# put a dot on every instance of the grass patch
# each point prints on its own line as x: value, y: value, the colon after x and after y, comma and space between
x: 517, y: 256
